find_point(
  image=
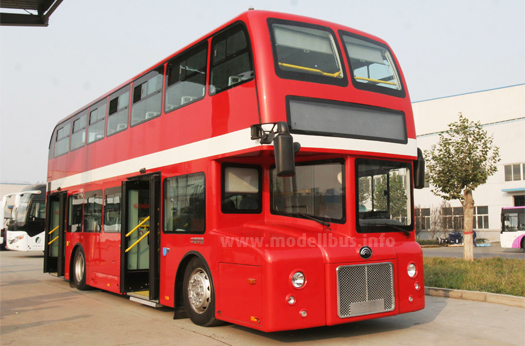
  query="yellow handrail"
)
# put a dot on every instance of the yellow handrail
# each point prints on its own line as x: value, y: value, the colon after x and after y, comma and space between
x: 335, y: 75
x: 375, y: 80
x: 51, y: 242
x: 54, y: 229
x: 140, y: 224
x: 135, y: 243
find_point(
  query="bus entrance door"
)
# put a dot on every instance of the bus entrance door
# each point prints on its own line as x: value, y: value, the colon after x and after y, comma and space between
x: 140, y: 241
x: 54, y: 254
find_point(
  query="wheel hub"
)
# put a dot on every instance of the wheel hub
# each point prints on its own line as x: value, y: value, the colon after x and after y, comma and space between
x: 199, y: 291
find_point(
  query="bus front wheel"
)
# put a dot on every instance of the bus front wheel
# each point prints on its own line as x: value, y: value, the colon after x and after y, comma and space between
x: 198, y: 294
x: 79, y: 270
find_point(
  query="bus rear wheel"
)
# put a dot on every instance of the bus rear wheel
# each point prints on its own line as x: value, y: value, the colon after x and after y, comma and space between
x: 79, y: 270
x: 199, y: 294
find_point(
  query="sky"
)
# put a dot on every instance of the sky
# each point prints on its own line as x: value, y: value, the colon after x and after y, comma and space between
x: 445, y: 48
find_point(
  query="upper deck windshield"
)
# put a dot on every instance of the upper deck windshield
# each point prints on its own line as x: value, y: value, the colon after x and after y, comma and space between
x: 315, y: 192
x: 310, y: 53
x: 306, y: 52
x: 371, y: 64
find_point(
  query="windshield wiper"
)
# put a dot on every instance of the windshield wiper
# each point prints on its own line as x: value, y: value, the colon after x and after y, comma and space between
x: 326, y: 224
x: 400, y: 230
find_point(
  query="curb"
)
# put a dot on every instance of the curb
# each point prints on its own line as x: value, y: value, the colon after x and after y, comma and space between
x: 503, y: 299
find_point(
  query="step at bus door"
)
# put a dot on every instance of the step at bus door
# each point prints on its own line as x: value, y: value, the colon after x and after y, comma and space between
x: 140, y: 243
x: 55, y: 236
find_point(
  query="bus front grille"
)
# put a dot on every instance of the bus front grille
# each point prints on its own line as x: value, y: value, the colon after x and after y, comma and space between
x: 365, y: 289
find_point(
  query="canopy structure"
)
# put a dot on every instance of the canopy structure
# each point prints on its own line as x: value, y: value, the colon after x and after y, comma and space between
x: 27, y: 12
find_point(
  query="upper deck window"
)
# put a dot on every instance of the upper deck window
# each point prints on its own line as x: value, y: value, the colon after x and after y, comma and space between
x: 372, y: 66
x: 147, y: 97
x: 306, y: 52
x: 186, y: 78
x: 231, y: 61
x: 78, y: 138
x: 62, y: 139
x: 118, y: 111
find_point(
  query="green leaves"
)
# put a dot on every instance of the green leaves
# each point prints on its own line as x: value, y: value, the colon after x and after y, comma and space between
x: 463, y: 159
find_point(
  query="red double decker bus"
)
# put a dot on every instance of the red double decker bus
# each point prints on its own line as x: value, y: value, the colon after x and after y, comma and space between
x: 262, y: 175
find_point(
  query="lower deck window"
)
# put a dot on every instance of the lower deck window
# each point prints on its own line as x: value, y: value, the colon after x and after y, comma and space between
x: 185, y: 203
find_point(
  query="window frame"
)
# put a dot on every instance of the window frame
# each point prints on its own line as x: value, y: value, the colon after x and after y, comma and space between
x: 86, y: 206
x: 146, y: 78
x: 401, y: 93
x: 305, y: 216
x: 62, y: 138
x: 96, y: 107
x: 165, y: 194
x: 70, y: 198
x: 301, y: 76
x: 258, y: 168
x: 112, y: 191
x: 76, y: 118
x: 115, y: 96
x: 219, y: 37
x: 197, y: 48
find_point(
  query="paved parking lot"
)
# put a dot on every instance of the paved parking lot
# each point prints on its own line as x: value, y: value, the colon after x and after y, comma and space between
x: 494, y: 250
x: 39, y: 309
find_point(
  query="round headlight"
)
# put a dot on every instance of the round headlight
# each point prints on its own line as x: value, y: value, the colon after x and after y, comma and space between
x: 412, y: 270
x: 298, y: 280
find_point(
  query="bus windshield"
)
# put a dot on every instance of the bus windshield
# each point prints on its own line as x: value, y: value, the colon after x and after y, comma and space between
x: 513, y: 220
x: 371, y: 63
x: 305, y: 53
x: 21, y: 210
x: 384, y: 196
x: 316, y: 191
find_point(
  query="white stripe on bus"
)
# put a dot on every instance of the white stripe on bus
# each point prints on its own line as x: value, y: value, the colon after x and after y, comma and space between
x: 228, y: 143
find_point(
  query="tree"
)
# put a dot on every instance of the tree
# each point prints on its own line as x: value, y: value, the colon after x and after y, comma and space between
x: 463, y: 159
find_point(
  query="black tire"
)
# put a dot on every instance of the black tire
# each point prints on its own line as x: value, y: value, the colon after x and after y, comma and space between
x: 523, y: 243
x: 78, y: 270
x: 199, y: 294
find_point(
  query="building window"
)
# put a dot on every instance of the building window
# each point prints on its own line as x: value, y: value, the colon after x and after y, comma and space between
x: 453, y: 218
x: 422, y: 218
x: 481, y: 217
x: 515, y: 172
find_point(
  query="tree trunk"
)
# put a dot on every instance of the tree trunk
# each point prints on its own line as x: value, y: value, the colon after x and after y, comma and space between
x: 468, y: 218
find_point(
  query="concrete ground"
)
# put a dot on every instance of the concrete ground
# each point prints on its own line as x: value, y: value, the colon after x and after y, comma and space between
x: 39, y: 309
x: 494, y: 250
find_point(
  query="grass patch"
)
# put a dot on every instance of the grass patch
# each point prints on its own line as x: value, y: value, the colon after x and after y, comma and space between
x: 428, y: 242
x: 494, y: 275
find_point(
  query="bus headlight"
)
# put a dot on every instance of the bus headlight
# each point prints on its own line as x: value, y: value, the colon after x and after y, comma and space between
x: 298, y: 280
x: 412, y: 270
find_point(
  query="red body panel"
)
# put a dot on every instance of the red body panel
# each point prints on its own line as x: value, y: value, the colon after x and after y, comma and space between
x: 251, y: 271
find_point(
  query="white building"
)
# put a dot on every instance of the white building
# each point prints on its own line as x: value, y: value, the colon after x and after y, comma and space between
x: 502, y: 114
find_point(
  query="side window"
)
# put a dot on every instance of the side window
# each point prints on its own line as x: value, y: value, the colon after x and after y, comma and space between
x: 186, y: 78
x: 231, y: 60
x: 118, y: 111
x: 147, y: 97
x: 241, y: 189
x: 74, y: 220
x: 97, y: 117
x: 93, y: 211
x: 185, y: 203
x: 112, y: 218
x: 62, y: 139
x: 78, y: 137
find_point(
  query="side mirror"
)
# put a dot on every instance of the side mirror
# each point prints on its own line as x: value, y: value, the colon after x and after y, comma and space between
x: 419, y: 170
x: 284, y: 150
